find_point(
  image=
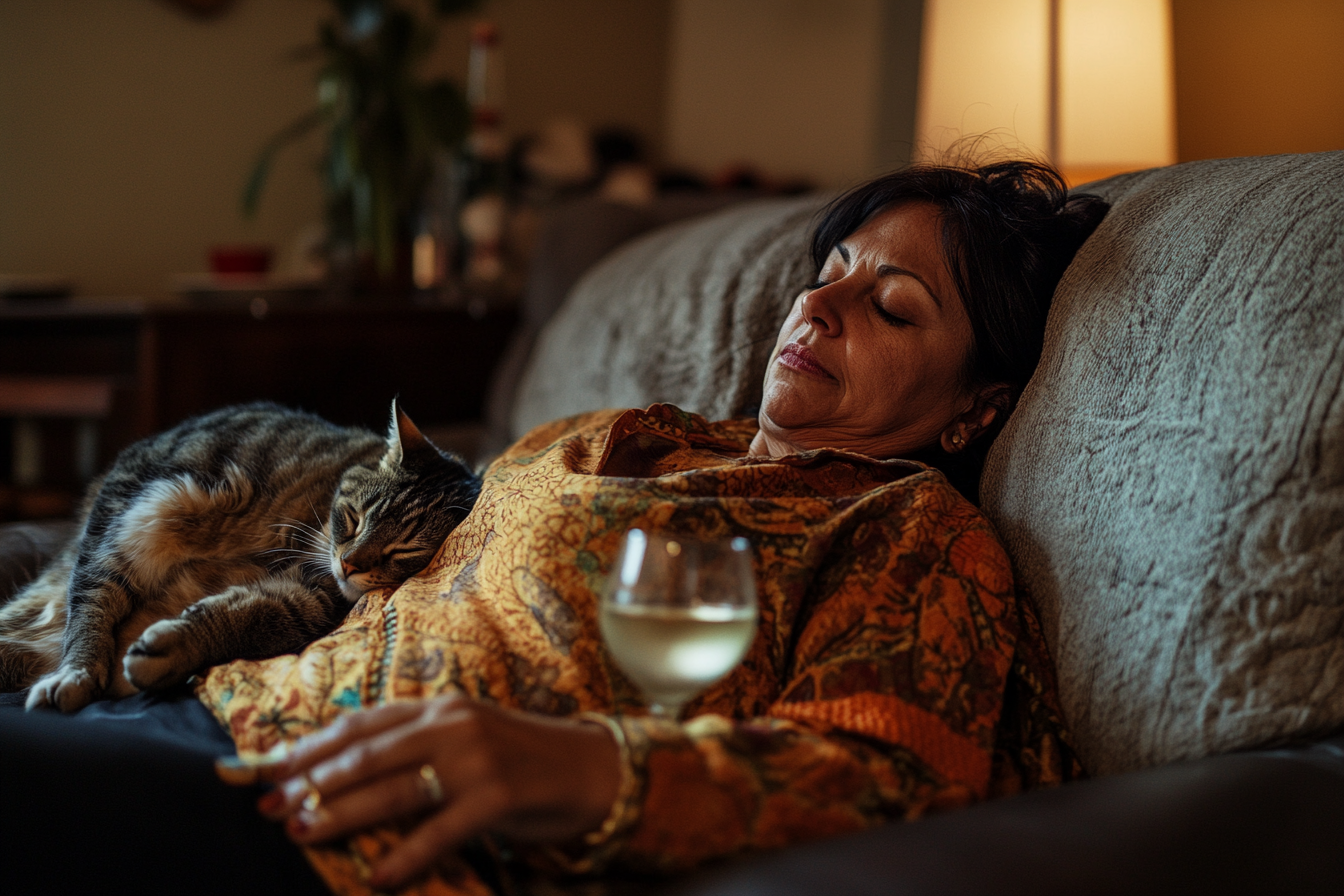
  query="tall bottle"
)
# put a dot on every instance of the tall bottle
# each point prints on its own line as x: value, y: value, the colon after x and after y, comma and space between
x: 483, y: 218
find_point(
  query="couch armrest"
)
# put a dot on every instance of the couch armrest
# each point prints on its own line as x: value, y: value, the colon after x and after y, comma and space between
x: 1266, y: 821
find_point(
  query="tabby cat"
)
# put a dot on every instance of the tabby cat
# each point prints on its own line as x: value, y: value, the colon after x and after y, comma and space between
x: 243, y: 533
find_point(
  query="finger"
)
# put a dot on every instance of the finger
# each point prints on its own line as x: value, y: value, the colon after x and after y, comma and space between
x: 384, y: 799
x: 240, y: 772
x: 364, y: 763
x: 406, y: 746
x: 245, y: 771
x: 314, y: 748
x: 293, y: 775
x: 437, y: 837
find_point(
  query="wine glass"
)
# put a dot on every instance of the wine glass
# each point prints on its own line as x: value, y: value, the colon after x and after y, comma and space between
x: 678, y: 614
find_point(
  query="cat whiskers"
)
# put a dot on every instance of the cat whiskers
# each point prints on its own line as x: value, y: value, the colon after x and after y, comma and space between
x: 303, y: 535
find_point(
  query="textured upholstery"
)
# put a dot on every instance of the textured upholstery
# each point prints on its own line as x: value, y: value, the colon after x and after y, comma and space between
x: 687, y: 314
x: 1171, y: 486
x: 573, y: 237
x: 25, y: 548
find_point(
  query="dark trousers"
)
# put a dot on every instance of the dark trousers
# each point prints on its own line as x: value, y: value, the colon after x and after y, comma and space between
x: 122, y: 798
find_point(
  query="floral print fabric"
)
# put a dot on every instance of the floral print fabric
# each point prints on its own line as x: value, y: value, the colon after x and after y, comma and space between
x: 893, y: 673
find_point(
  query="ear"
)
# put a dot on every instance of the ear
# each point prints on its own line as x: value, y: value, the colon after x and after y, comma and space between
x: 990, y: 404
x: 404, y: 438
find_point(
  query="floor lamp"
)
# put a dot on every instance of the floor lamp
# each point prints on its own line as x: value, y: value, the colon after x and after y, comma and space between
x: 1086, y: 84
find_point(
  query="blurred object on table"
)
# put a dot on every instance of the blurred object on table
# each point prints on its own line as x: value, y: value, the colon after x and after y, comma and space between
x: 35, y: 287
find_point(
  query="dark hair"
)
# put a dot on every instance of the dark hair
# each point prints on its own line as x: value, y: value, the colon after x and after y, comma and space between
x: 1009, y: 229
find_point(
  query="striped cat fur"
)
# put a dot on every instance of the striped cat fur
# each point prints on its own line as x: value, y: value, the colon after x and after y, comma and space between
x: 244, y: 533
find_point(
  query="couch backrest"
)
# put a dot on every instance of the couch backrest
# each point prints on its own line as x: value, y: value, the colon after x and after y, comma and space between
x: 1171, y: 486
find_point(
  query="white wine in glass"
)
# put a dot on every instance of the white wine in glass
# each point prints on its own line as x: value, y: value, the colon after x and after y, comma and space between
x: 678, y: 614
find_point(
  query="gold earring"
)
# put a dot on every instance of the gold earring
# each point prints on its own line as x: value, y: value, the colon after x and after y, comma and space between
x: 957, y: 440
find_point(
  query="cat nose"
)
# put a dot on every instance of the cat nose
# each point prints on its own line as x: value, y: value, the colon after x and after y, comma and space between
x: 350, y: 568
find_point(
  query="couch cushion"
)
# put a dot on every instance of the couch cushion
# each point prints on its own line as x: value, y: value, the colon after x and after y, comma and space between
x: 573, y: 237
x: 1171, y: 486
x: 687, y: 314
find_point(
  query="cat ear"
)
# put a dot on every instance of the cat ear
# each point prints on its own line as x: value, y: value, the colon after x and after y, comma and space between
x: 404, y: 438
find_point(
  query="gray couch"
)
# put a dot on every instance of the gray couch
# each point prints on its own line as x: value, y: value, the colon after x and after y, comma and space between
x: 1171, y: 490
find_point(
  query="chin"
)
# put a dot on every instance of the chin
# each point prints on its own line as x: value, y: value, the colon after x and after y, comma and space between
x: 783, y: 417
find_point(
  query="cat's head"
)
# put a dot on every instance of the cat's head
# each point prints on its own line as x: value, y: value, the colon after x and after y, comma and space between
x: 388, y: 520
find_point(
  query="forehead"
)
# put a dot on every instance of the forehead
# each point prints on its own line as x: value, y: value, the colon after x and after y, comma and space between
x: 911, y: 229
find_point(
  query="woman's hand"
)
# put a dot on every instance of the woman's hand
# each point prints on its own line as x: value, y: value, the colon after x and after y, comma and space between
x: 523, y: 775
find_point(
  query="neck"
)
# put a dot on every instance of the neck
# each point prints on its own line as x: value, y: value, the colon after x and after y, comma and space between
x: 764, y: 445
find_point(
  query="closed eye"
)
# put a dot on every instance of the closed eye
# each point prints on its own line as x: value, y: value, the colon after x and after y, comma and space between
x: 893, y: 319
x: 351, y: 520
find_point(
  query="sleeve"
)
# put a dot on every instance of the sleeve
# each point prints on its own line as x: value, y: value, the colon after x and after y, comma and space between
x: 892, y: 699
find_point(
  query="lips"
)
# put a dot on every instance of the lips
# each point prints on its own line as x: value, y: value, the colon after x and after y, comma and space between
x: 799, y: 357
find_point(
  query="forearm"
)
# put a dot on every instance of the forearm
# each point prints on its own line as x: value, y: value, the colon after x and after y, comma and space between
x: 713, y: 787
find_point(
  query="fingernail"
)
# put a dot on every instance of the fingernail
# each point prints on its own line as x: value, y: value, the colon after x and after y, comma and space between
x: 271, y: 803
x: 299, y: 825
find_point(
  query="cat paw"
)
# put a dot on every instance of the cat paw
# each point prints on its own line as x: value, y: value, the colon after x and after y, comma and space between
x: 161, y: 657
x: 68, y: 690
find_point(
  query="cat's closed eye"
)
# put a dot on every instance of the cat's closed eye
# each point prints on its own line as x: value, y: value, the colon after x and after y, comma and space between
x: 351, y: 520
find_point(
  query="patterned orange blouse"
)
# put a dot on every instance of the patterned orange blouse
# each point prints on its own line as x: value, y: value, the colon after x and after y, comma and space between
x: 893, y: 673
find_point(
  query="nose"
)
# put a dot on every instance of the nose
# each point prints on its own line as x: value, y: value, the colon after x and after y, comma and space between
x: 350, y: 567
x: 819, y: 310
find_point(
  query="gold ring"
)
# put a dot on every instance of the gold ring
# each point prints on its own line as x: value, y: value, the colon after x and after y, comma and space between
x: 430, y: 785
x: 312, y: 799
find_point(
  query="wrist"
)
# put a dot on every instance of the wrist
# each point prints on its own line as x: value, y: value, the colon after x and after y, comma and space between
x: 614, y: 795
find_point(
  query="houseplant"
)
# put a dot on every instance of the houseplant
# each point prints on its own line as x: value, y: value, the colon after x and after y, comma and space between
x: 385, y: 127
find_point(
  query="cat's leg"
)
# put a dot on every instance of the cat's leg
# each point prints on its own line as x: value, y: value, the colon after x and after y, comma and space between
x: 275, y: 615
x: 98, y: 603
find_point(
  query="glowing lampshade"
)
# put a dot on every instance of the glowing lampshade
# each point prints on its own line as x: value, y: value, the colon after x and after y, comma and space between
x: 1086, y: 84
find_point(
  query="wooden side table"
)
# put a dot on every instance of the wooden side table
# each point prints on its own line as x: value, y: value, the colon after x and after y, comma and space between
x: 159, y: 363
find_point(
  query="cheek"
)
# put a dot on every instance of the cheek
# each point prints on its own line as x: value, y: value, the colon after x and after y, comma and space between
x: 905, y: 377
x: 885, y: 367
x: 792, y: 324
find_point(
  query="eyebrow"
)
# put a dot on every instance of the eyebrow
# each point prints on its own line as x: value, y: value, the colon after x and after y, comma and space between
x: 891, y: 270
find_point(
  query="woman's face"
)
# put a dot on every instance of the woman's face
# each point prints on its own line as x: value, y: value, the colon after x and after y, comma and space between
x: 871, y: 357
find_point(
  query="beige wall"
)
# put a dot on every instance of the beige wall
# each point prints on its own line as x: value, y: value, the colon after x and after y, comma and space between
x: 127, y: 128
x: 796, y: 88
x: 1256, y: 77
x: 603, y: 62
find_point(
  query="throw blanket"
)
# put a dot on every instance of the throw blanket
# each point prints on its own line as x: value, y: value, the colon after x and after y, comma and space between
x: 894, y: 671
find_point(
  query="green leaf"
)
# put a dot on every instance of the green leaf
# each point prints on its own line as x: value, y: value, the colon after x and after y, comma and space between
x: 261, y: 169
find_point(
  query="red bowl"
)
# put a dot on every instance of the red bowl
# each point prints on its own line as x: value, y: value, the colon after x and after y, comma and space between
x: 240, y: 259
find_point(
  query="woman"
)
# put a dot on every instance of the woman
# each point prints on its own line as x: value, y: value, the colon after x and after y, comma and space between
x: 473, y: 711
x: 873, y: 690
